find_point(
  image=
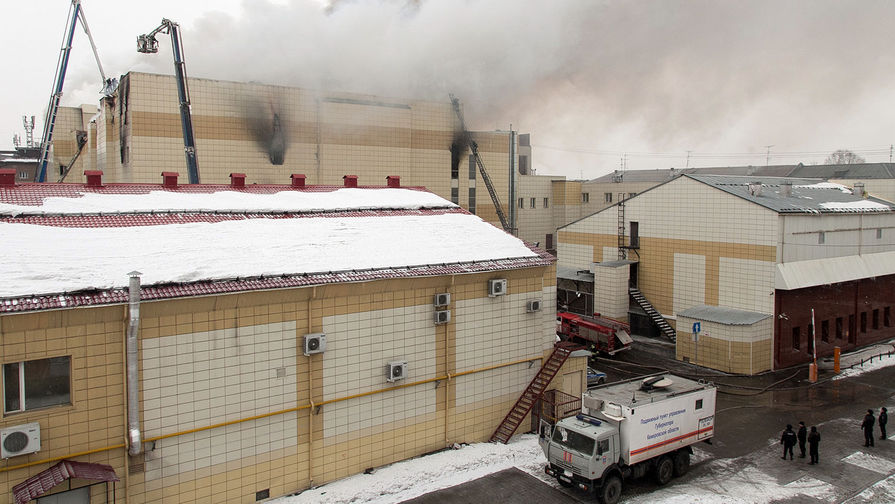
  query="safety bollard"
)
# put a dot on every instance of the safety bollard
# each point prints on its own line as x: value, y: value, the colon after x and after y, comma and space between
x: 836, y: 352
x: 812, y: 372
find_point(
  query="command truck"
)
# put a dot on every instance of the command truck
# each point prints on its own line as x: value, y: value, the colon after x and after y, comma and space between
x: 627, y: 430
x: 598, y: 334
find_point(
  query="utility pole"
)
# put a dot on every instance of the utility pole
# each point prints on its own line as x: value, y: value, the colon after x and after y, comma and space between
x: 767, y: 160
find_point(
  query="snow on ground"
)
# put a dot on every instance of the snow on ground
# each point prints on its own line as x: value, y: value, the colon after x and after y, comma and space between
x: 879, y: 362
x: 870, y: 462
x: 723, y: 481
x: 102, y: 257
x: 286, y: 200
x: 880, y: 492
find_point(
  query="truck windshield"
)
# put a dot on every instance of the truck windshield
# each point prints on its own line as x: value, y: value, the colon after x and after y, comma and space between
x: 571, y: 440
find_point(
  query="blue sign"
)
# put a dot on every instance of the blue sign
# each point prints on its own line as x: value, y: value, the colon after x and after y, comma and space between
x: 696, y: 327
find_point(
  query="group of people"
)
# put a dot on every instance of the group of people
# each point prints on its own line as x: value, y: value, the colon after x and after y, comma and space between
x: 867, y: 425
x: 789, y: 438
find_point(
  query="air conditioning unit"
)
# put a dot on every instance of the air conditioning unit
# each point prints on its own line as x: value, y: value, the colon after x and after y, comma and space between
x: 396, y: 371
x: 442, y: 316
x: 442, y: 299
x: 533, y: 305
x: 497, y: 287
x: 20, y: 440
x: 315, y: 343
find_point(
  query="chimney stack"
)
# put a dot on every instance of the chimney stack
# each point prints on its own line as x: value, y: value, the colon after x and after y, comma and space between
x: 859, y: 190
x: 169, y: 179
x: 7, y: 177
x: 787, y: 189
x: 238, y: 180
x: 350, y: 180
x: 94, y: 178
x: 298, y: 180
x: 393, y: 181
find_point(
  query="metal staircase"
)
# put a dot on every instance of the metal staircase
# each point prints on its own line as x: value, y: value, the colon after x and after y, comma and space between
x: 653, y: 314
x: 534, y: 391
x: 622, y: 245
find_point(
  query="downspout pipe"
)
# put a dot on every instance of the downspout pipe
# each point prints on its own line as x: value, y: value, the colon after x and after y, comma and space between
x: 134, y: 436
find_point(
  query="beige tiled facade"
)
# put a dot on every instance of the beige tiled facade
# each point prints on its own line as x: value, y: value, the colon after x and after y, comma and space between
x: 327, y: 135
x: 231, y: 406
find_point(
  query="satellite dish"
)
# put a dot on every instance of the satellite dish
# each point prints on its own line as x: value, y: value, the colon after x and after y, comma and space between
x: 655, y: 382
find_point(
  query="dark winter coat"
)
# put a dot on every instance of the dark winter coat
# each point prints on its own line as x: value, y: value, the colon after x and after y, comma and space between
x: 803, y: 434
x: 867, y: 424
x: 883, y: 418
x: 788, y: 438
x: 814, y: 439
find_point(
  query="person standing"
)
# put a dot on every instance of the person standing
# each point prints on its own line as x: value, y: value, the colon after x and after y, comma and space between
x: 867, y: 426
x: 788, y: 440
x: 802, y: 435
x: 882, y: 420
x: 813, y: 441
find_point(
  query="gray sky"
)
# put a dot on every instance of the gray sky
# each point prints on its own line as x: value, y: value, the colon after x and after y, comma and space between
x: 589, y: 80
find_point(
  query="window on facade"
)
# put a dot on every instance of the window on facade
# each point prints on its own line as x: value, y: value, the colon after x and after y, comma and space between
x: 23, y: 175
x: 863, y: 321
x: 585, y: 197
x: 472, y: 167
x: 796, y: 338
x: 825, y: 331
x: 36, y: 384
x: 852, y: 333
x: 821, y: 238
x: 699, y: 404
x: 531, y: 203
x: 810, y: 336
x: 521, y: 202
x: 607, y: 197
x: 875, y: 319
x: 887, y: 317
x: 838, y: 327
x: 546, y: 202
x: 472, y: 200
x: 879, y: 233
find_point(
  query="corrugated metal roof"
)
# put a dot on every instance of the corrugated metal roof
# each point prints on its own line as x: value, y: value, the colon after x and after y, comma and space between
x: 577, y: 275
x: 722, y: 315
x: 44, y: 481
x: 801, y: 274
x: 805, y: 195
x: 847, y: 171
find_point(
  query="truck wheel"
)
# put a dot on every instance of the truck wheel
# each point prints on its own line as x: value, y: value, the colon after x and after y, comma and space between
x: 664, y: 470
x: 681, y: 463
x: 611, y: 491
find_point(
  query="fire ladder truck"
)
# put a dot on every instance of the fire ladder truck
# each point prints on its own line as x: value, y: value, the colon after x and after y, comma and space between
x: 597, y: 334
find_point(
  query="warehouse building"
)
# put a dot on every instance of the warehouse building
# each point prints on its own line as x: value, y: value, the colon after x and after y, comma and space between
x: 238, y: 342
x: 745, y: 258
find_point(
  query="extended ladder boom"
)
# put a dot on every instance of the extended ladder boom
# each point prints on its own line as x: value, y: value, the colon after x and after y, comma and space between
x: 148, y: 44
x: 474, y: 148
x: 75, y: 13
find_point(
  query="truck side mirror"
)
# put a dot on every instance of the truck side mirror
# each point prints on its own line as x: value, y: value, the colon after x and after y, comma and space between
x: 545, y: 430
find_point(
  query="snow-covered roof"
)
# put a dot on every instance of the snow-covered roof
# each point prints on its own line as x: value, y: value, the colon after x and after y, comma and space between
x: 62, y: 245
x: 723, y: 315
x: 800, y: 196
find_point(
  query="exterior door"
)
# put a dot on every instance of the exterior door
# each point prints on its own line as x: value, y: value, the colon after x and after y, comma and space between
x: 573, y: 383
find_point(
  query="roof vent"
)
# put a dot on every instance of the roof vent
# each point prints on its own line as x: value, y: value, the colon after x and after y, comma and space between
x: 859, y: 190
x: 238, y: 180
x: 755, y: 188
x: 298, y: 179
x: 350, y: 180
x: 169, y: 179
x: 94, y: 178
x: 7, y: 177
x: 787, y: 189
x: 393, y: 181
x: 655, y: 382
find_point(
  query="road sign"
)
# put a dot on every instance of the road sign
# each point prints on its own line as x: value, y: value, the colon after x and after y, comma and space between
x: 696, y: 327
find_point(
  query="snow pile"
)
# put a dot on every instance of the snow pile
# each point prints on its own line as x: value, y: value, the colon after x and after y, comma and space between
x: 825, y: 185
x: 878, y: 362
x: 870, y: 462
x: 412, y: 478
x: 44, y: 259
x: 856, y: 206
x: 235, y: 201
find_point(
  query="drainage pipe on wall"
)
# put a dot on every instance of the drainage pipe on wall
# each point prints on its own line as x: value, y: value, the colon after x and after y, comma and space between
x: 134, y: 438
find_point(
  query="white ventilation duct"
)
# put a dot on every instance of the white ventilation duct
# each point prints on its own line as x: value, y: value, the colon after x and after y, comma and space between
x: 134, y: 437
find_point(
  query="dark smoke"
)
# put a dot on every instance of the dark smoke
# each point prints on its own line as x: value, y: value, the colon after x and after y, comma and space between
x: 267, y: 125
x: 459, y: 145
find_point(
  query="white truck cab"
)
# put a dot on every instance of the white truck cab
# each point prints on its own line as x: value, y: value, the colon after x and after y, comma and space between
x: 627, y: 429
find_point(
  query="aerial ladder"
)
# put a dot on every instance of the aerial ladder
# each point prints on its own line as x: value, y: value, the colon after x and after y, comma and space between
x: 75, y: 13
x: 148, y: 44
x: 474, y: 148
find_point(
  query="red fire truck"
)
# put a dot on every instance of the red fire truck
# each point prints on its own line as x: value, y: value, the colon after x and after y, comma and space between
x: 598, y: 334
